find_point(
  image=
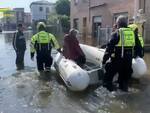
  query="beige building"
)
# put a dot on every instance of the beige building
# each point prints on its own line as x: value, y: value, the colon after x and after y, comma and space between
x: 89, y: 15
x: 9, y: 22
x: 146, y: 6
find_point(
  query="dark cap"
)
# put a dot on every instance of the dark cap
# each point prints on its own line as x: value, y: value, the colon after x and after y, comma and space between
x: 122, y: 21
x: 19, y: 25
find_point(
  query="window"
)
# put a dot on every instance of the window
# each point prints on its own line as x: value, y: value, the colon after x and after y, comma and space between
x: 76, y: 23
x: 84, y: 21
x: 47, y: 10
x: 41, y: 8
x: 142, y: 5
x: 97, y: 22
x: 85, y: 1
x: 76, y: 2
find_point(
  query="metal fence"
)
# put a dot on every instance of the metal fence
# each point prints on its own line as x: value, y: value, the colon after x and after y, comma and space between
x: 103, y: 36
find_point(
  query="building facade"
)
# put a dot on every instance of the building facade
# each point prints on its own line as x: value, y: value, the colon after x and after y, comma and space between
x: 9, y: 22
x: 40, y: 10
x: 145, y: 4
x: 14, y: 17
x: 19, y: 13
x: 89, y: 15
x: 27, y: 19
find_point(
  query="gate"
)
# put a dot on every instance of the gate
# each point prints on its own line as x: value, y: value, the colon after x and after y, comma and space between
x: 104, y: 34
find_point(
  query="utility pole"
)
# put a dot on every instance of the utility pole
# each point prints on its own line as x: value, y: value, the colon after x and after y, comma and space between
x: 89, y: 10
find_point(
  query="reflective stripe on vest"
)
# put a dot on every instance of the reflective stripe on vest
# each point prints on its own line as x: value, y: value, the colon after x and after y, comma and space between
x: 127, y: 39
x: 141, y: 40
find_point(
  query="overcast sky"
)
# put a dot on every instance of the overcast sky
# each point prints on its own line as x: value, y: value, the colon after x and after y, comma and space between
x: 19, y: 3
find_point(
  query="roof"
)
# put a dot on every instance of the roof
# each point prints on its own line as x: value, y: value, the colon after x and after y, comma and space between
x: 41, y: 2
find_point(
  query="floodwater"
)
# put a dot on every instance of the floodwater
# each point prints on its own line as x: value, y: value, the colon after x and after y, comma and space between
x: 23, y: 92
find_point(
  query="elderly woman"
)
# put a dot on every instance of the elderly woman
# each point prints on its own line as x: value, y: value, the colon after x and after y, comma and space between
x: 71, y: 48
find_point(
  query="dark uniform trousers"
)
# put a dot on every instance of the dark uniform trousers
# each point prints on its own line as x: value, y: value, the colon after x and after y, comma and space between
x: 122, y: 66
x: 44, y: 61
x: 121, y: 50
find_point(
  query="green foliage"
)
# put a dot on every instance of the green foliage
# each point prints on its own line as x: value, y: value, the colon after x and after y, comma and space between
x: 63, y: 7
x: 53, y: 18
x: 62, y: 20
x: 53, y: 30
x: 65, y: 22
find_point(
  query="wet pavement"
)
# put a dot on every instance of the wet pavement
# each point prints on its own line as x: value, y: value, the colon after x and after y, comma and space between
x: 23, y: 91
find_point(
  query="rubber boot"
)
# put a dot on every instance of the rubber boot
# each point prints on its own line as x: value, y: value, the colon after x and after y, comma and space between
x: 123, y: 86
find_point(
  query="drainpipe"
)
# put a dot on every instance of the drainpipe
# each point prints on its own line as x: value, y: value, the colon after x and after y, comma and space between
x: 89, y: 10
x: 99, y: 28
x: 136, y: 7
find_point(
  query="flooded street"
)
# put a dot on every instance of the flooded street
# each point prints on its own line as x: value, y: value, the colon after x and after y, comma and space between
x: 23, y: 92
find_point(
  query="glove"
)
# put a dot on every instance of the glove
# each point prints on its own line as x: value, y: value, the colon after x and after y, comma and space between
x: 32, y: 56
x: 17, y: 51
x: 103, y: 62
x: 59, y: 50
x: 103, y: 68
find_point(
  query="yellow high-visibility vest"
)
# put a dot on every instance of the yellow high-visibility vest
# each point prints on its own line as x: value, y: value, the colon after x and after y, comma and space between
x: 127, y: 40
x: 133, y: 26
x: 127, y: 37
x: 141, y: 40
x: 43, y: 37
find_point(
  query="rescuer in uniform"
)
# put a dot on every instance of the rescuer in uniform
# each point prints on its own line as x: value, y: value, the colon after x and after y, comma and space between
x: 139, y: 48
x: 42, y: 44
x: 120, y: 50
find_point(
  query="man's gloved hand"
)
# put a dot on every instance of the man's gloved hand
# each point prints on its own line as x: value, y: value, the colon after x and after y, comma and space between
x: 17, y: 51
x: 103, y: 66
x: 59, y: 50
x: 103, y: 62
x: 32, y: 56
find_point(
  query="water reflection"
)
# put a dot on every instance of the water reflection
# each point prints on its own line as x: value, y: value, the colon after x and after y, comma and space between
x: 7, y: 56
x: 8, y: 36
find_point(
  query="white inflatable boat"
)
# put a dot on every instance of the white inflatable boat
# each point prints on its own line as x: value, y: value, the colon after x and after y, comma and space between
x: 78, y: 79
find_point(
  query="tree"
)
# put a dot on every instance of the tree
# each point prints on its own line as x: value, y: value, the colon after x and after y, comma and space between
x: 63, y: 7
x: 62, y: 19
x: 65, y: 23
x: 52, y: 19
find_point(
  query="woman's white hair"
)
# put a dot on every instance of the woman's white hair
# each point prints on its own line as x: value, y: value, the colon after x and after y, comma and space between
x: 73, y: 30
